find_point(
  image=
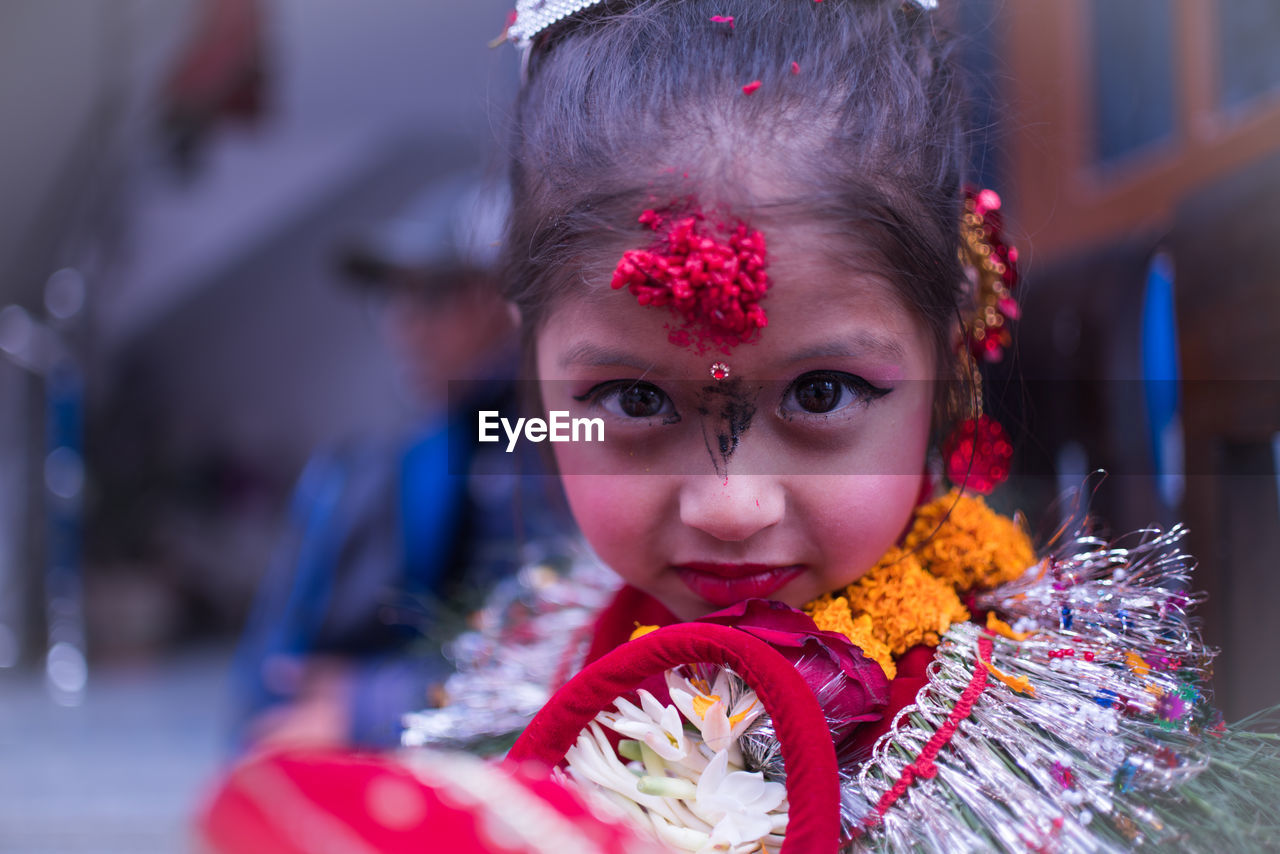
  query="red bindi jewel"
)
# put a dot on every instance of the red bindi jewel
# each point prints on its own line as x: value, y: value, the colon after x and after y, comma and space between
x: 719, y: 371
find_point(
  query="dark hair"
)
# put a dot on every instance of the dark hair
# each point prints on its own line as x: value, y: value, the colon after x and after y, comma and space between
x: 867, y: 140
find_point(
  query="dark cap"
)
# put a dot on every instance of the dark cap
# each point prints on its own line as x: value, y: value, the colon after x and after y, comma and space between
x: 445, y: 236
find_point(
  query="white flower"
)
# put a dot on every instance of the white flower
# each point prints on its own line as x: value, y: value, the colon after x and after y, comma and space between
x: 679, y: 838
x: 689, y: 788
x: 708, y: 707
x: 739, y: 802
x: 592, y: 760
x: 658, y: 726
x: 587, y: 761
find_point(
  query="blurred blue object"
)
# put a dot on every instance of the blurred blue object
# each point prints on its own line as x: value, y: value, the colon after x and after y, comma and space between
x: 66, y: 664
x: 1161, y: 377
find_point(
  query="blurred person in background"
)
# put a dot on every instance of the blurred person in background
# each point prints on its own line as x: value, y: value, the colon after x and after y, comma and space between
x: 388, y: 544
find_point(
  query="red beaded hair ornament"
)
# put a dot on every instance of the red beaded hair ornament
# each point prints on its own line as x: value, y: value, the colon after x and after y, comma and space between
x: 978, y: 452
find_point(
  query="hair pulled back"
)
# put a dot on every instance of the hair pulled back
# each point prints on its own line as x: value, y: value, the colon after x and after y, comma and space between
x: 630, y: 100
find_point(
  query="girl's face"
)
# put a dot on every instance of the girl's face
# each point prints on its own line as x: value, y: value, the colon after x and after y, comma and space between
x: 785, y: 481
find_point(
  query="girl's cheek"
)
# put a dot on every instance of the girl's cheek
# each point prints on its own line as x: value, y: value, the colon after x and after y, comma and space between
x: 612, y: 510
x: 863, y: 517
x: 572, y: 459
x: 586, y: 498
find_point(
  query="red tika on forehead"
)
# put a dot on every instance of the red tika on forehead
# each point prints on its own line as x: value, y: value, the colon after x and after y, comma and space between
x: 714, y: 285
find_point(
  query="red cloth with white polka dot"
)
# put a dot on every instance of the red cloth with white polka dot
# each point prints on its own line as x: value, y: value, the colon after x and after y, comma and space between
x: 333, y: 802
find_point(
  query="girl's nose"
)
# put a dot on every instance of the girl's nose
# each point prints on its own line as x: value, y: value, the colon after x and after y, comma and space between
x: 732, y: 508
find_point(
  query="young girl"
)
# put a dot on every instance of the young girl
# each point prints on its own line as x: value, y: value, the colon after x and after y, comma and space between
x: 740, y: 239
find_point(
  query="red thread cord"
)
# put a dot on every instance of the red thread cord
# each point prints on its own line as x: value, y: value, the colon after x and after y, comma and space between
x: 923, y: 766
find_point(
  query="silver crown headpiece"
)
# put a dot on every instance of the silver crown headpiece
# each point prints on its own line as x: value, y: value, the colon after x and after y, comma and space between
x: 534, y: 16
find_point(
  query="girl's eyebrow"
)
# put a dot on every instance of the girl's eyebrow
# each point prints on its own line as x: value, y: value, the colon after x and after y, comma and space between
x: 865, y: 343
x: 591, y: 355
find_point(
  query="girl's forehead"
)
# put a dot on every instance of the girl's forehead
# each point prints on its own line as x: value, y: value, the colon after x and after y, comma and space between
x: 818, y: 309
x: 807, y: 266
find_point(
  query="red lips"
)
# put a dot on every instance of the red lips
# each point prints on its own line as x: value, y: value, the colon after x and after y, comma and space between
x: 725, y: 584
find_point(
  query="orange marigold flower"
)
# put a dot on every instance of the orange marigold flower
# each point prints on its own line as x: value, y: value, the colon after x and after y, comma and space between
x: 962, y: 541
x: 906, y: 605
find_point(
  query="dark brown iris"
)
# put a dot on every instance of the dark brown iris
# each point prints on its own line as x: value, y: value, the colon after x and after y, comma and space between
x: 641, y: 401
x: 818, y: 394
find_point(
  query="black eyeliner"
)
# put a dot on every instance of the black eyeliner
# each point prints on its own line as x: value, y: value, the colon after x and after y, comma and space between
x: 863, y: 391
x: 599, y: 388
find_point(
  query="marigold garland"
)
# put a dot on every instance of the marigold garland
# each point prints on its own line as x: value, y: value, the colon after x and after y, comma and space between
x: 961, y: 540
x: 911, y: 596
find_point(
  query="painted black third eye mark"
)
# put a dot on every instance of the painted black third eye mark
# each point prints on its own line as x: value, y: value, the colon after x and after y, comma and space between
x: 730, y: 406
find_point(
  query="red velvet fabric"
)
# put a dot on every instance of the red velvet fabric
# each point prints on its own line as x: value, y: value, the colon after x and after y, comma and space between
x: 628, y: 609
x: 812, y: 784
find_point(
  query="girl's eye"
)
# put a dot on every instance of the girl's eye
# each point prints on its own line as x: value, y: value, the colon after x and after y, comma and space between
x: 631, y: 399
x: 825, y: 392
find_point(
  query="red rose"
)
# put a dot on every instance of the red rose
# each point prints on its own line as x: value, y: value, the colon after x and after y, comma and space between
x: 850, y: 687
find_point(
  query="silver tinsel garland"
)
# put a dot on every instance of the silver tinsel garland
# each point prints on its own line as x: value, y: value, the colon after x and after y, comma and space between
x: 533, y: 626
x: 1114, y: 746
